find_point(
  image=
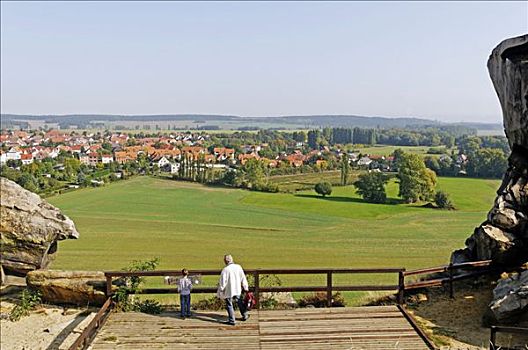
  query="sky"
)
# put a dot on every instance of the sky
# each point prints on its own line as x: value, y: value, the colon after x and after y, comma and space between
x: 395, y: 59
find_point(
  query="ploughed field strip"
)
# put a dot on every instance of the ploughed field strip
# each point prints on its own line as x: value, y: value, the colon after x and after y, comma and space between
x: 372, y: 327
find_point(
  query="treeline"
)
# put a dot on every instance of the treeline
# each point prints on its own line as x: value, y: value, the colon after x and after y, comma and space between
x: 480, y: 157
x: 395, y: 137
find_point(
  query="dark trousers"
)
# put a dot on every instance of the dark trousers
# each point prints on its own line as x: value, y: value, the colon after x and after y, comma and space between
x: 185, y: 305
x: 231, y: 311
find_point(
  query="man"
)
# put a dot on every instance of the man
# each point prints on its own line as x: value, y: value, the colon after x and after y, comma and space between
x: 232, y: 281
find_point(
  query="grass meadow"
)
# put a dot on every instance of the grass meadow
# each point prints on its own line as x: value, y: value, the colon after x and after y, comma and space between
x: 191, y: 225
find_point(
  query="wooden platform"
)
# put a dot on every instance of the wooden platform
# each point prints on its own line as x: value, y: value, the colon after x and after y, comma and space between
x: 373, y: 327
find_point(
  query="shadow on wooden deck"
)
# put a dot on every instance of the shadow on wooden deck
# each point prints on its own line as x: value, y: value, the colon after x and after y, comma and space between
x: 375, y: 327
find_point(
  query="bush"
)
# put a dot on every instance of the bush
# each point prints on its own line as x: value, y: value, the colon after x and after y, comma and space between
x: 212, y: 303
x: 131, y: 286
x: 148, y: 306
x: 29, y: 299
x: 323, y: 188
x: 443, y: 201
x: 319, y: 300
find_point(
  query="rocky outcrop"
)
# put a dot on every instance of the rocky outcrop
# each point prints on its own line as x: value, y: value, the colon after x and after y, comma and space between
x: 503, y: 237
x: 510, y: 300
x: 69, y: 287
x: 29, y: 229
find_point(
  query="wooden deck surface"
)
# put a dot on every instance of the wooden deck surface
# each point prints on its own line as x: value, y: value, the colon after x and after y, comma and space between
x: 373, y: 327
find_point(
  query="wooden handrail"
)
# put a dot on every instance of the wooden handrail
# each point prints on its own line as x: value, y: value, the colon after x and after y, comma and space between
x: 504, y: 329
x: 450, y: 269
x: 87, y: 334
x: 252, y: 271
x: 257, y: 289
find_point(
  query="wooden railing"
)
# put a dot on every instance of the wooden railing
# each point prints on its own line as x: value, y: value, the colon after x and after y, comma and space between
x: 83, y: 341
x: 504, y: 329
x: 87, y: 335
x: 483, y: 267
x: 329, y: 288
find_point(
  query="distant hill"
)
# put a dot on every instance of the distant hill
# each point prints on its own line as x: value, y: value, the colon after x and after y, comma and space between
x: 186, y: 121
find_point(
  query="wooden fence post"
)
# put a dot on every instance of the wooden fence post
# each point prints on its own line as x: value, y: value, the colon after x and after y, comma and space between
x: 451, y: 288
x: 401, y: 287
x: 493, y: 337
x: 257, y: 290
x: 329, y: 289
x: 108, y: 286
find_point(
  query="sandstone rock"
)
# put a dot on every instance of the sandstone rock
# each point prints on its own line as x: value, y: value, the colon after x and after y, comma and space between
x: 503, y: 237
x: 29, y: 229
x: 508, y: 69
x: 491, y: 243
x: 69, y: 287
x: 510, y: 299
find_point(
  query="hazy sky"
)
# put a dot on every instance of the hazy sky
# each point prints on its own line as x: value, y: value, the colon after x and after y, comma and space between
x: 424, y: 59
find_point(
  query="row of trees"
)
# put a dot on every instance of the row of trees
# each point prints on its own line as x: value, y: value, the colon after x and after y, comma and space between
x: 416, y: 183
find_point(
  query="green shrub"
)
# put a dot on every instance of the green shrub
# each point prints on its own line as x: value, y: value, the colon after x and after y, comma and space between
x: 324, y: 188
x: 319, y: 300
x: 131, y: 285
x: 148, y: 306
x: 29, y: 299
x: 443, y: 201
x: 212, y: 303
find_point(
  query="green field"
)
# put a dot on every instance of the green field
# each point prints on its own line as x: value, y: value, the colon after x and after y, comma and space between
x: 190, y: 225
x: 386, y: 150
x: 307, y: 181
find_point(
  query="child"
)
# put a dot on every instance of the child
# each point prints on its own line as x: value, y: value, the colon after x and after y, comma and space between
x: 184, y: 288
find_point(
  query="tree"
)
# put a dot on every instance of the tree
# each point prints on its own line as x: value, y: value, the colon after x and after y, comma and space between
x: 488, y: 163
x: 81, y: 178
x: 253, y: 174
x: 371, y: 186
x: 29, y: 182
x: 324, y: 188
x: 313, y: 139
x: 416, y: 181
x: 443, y: 201
x: 345, y: 168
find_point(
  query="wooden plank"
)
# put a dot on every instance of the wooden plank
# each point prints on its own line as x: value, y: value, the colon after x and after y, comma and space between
x: 381, y: 327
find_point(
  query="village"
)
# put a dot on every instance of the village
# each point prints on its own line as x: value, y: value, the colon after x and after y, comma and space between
x: 165, y: 151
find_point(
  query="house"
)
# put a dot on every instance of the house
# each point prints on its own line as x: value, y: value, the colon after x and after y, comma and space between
x: 26, y: 158
x: 364, y: 161
x: 353, y: 157
x: 93, y: 158
x: 84, y: 159
x: 107, y: 158
x: 223, y: 153
x: 124, y: 156
x: 171, y: 167
x: 76, y: 149
x: 243, y: 158
x: 296, y: 159
x: 13, y: 154
x: 162, y: 162
x: 462, y: 159
x: 3, y: 157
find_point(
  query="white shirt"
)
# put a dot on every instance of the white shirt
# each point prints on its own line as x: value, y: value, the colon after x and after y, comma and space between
x: 232, y: 280
x: 184, y: 286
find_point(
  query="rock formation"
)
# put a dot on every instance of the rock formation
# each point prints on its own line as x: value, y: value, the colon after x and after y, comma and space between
x: 503, y: 237
x: 29, y: 229
x: 510, y: 299
x: 69, y: 287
